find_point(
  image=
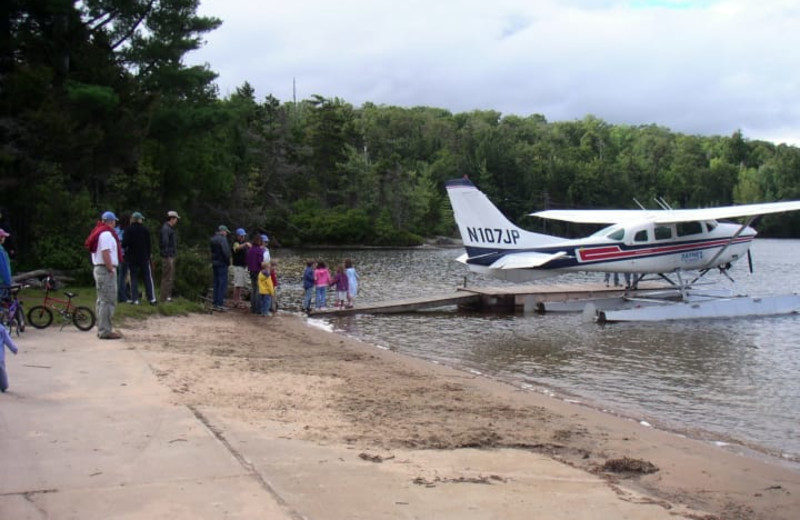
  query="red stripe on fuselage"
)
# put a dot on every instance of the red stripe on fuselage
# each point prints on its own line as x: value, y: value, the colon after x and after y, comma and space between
x: 605, y: 253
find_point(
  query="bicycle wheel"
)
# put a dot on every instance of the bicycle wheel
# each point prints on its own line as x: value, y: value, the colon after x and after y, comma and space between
x: 83, y: 318
x: 40, y: 316
x: 20, y: 319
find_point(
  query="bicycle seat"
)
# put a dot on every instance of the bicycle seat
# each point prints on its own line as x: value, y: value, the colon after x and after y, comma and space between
x: 70, y: 294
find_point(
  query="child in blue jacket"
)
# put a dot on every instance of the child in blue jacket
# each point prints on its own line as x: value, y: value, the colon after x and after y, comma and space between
x: 5, y: 337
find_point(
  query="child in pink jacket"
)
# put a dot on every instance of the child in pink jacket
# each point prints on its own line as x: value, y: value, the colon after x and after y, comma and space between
x: 322, y: 279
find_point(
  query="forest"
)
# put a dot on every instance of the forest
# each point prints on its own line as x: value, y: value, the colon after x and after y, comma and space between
x: 99, y: 111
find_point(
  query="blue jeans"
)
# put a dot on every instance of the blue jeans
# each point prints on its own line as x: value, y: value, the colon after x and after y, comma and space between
x: 266, y: 304
x: 220, y: 284
x: 3, y: 375
x: 322, y: 293
x: 123, y: 293
x: 309, y: 293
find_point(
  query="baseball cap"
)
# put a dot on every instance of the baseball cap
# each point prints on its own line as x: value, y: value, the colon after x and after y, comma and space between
x: 137, y: 215
x: 173, y: 214
x: 224, y: 228
x: 241, y: 232
x: 4, y: 233
x: 109, y: 215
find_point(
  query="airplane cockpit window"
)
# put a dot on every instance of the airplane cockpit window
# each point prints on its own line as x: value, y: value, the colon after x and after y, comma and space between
x: 640, y: 236
x: 663, y: 232
x: 689, y: 228
x: 618, y: 234
x: 711, y: 225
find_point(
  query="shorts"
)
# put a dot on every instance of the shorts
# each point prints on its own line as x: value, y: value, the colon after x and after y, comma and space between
x: 241, y: 277
x: 341, y: 295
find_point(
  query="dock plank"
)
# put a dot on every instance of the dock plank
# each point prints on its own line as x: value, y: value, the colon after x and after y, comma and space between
x: 513, y: 297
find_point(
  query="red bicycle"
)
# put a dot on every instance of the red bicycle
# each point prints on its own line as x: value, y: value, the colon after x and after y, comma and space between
x: 41, y: 316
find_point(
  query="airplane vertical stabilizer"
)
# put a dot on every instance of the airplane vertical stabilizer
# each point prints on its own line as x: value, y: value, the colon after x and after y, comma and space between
x: 483, y: 226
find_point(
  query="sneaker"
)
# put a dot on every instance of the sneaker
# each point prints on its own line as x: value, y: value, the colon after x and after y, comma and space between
x: 153, y: 302
x: 136, y: 302
x: 168, y: 300
x: 219, y: 308
x: 112, y: 335
x: 128, y: 301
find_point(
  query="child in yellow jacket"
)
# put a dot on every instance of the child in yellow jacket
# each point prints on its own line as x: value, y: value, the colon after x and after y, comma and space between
x: 265, y: 288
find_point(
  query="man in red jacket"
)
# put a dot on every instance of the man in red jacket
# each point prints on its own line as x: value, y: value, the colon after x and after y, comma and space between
x: 105, y: 258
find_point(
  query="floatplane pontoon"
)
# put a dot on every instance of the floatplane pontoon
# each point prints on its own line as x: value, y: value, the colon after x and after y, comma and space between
x: 671, y: 243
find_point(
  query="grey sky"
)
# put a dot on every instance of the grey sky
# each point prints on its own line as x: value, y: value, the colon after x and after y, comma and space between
x: 703, y: 66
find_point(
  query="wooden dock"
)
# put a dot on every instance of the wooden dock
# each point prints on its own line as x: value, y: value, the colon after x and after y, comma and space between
x: 512, y: 298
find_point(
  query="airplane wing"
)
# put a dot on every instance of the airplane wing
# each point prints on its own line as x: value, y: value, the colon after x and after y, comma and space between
x: 525, y: 260
x: 602, y: 216
x: 596, y: 216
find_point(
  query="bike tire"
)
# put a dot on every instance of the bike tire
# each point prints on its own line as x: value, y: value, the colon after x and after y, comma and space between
x: 83, y: 318
x: 20, y: 319
x: 40, y: 316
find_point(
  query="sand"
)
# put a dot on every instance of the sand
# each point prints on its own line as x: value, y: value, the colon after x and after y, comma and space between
x: 284, y: 377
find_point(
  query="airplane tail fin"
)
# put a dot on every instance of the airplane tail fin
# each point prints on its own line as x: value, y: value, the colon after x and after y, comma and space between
x: 483, y: 227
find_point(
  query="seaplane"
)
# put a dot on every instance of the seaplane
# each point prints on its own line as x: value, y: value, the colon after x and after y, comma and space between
x: 679, y: 246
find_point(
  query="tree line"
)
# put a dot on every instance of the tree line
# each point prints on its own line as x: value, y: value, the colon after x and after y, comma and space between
x: 98, y: 111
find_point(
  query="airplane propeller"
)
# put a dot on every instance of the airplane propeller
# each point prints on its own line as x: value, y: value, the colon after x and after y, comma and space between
x: 750, y: 261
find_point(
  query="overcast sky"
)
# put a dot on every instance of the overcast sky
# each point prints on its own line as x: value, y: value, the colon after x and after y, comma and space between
x: 701, y: 67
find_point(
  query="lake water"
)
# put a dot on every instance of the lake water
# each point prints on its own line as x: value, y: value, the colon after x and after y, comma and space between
x: 729, y: 381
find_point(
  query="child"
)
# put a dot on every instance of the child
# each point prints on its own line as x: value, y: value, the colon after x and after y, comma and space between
x: 340, y: 282
x: 352, y: 282
x: 273, y: 273
x: 265, y: 288
x: 322, y: 279
x: 6, y: 340
x: 308, y: 284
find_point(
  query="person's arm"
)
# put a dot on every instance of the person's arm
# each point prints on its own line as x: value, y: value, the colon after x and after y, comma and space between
x: 6, y: 339
x: 107, y: 260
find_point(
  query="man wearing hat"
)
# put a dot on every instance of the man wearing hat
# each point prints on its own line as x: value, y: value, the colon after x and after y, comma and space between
x: 106, y: 257
x: 136, y: 244
x: 240, y: 274
x: 169, y: 248
x: 220, y: 260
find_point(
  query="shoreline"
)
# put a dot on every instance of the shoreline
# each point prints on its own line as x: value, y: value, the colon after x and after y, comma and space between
x: 718, y: 440
x: 356, y: 394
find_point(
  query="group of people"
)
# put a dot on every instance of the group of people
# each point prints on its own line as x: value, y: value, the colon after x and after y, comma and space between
x: 121, y: 251
x: 251, y: 262
x: 317, y: 280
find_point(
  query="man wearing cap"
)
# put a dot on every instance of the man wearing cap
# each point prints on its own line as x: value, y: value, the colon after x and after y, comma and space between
x: 240, y: 273
x: 105, y: 258
x: 220, y: 260
x: 136, y: 244
x: 169, y: 248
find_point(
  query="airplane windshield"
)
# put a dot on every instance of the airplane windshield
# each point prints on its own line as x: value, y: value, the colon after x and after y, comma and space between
x: 615, y: 232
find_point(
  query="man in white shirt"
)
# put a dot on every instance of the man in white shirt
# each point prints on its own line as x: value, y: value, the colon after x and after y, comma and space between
x: 106, y: 259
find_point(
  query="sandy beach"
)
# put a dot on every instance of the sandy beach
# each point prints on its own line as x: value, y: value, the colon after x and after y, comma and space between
x: 334, y: 428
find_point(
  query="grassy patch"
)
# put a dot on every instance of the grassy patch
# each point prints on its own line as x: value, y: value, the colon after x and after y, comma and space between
x: 87, y: 296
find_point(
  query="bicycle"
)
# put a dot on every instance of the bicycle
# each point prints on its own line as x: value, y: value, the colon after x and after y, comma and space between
x: 41, y: 316
x: 12, y: 314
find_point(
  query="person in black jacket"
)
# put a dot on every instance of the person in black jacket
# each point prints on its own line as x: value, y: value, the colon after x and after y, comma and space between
x: 220, y: 260
x: 136, y: 244
x: 169, y: 247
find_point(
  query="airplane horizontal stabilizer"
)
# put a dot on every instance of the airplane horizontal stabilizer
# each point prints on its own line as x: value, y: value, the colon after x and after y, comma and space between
x: 526, y: 260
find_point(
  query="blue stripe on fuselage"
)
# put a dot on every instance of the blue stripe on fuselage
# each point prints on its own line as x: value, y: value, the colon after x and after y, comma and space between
x: 487, y: 256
